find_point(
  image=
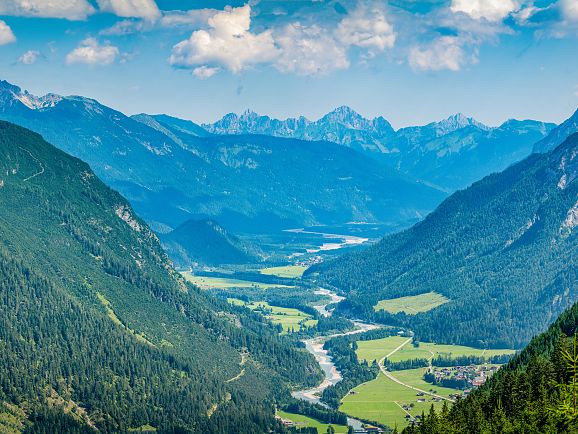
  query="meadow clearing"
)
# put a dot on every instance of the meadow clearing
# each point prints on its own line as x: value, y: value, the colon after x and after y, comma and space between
x: 381, y: 400
x: 289, y: 271
x: 378, y: 348
x: 412, y: 305
x: 288, y: 318
x: 206, y: 282
x: 301, y: 421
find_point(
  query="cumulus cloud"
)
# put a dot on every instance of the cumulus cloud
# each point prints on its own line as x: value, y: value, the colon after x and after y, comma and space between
x: 194, y: 17
x: 6, y: 35
x: 569, y: 9
x: 68, y: 9
x: 204, y: 72
x: 443, y: 53
x: 29, y: 58
x: 170, y: 19
x: 90, y: 52
x: 146, y: 9
x: 491, y: 10
x: 228, y: 42
x: 309, y: 50
x: 367, y: 28
x: 294, y: 47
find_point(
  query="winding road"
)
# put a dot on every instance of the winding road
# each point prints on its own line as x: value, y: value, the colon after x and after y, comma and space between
x: 388, y: 374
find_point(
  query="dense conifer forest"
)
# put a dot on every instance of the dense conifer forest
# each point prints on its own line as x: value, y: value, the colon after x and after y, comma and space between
x: 503, y: 252
x: 534, y: 393
x: 99, y: 332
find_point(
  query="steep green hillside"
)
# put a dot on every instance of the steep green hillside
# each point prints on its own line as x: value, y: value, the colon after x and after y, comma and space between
x: 98, y: 331
x: 502, y: 251
x: 206, y: 242
x: 534, y: 393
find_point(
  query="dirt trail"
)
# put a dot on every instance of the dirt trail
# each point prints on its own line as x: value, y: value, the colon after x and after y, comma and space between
x: 240, y: 374
x: 40, y: 172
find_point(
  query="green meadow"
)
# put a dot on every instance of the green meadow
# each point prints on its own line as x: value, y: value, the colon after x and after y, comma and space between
x: 290, y: 271
x: 289, y: 318
x: 381, y: 400
x: 412, y: 304
x: 205, y: 282
x: 379, y: 348
x: 301, y: 421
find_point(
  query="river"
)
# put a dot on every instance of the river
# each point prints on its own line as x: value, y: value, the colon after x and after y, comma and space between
x: 338, y: 241
x: 315, y: 347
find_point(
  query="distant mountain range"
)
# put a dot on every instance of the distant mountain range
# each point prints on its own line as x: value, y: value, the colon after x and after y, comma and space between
x: 558, y: 134
x: 173, y: 171
x: 206, y: 242
x: 503, y: 251
x: 450, y: 154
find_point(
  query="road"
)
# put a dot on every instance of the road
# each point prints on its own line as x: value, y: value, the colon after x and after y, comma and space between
x: 388, y: 374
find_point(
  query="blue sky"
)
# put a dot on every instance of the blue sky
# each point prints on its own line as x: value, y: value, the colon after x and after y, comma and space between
x: 411, y: 61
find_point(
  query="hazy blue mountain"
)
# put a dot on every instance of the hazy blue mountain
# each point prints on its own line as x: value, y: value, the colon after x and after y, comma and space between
x: 98, y: 331
x: 451, y: 153
x: 206, y: 242
x: 343, y: 126
x: 247, y: 183
x: 459, y: 151
x: 504, y: 251
x: 558, y: 134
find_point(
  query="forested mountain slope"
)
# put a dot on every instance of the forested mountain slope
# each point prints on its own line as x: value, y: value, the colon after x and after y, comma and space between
x: 249, y: 183
x: 97, y: 331
x: 558, y: 134
x: 534, y: 393
x: 206, y: 242
x: 504, y: 251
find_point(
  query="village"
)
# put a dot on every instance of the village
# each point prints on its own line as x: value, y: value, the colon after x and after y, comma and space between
x: 460, y: 377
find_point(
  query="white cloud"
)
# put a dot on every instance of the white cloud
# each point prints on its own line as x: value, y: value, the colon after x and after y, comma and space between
x: 569, y: 9
x: 6, y: 35
x: 443, y: 53
x: 491, y: 10
x: 29, y: 58
x: 227, y: 42
x: 170, y: 19
x: 146, y: 9
x: 204, y: 72
x: 68, y: 9
x: 194, y: 17
x: 90, y: 52
x: 304, y: 49
x: 125, y: 27
x: 366, y: 28
x: 309, y: 50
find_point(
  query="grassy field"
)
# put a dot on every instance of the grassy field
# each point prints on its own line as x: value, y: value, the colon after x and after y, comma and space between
x: 381, y: 399
x: 303, y: 421
x: 288, y: 318
x: 205, y: 282
x: 290, y: 271
x: 412, y: 304
x: 378, y: 348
